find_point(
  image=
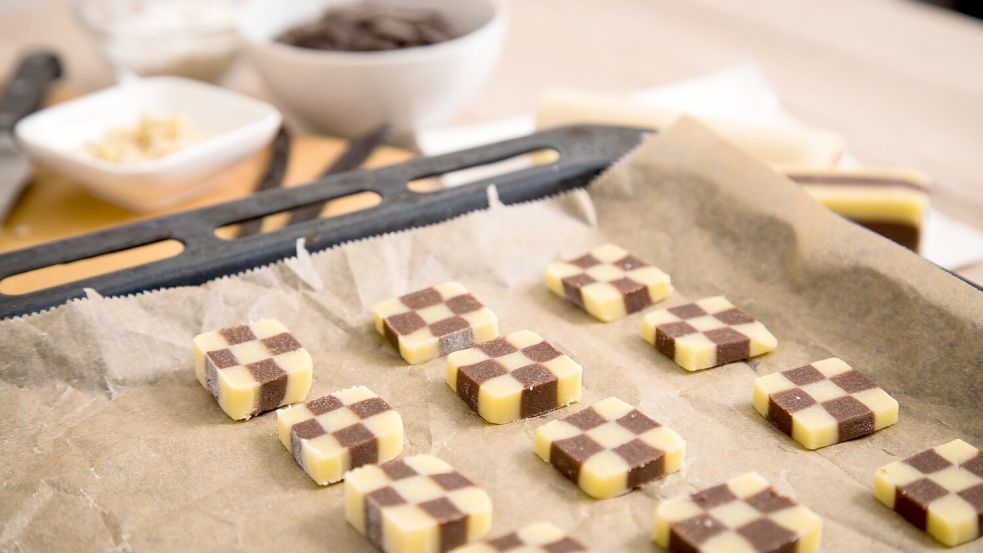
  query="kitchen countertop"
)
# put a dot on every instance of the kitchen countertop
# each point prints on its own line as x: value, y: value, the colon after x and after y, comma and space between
x: 899, y: 79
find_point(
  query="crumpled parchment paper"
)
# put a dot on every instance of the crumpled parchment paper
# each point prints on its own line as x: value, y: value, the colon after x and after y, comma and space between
x: 109, y: 442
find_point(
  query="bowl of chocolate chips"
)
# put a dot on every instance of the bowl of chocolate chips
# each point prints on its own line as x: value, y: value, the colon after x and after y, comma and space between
x: 345, y: 67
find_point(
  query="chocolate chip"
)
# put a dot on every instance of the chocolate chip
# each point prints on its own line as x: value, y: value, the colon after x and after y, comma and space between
x: 369, y: 27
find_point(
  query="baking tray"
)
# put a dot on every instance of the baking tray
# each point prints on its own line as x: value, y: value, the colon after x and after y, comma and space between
x: 120, y: 392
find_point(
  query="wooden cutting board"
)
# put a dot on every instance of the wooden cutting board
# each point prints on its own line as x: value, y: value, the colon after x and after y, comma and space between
x: 54, y: 207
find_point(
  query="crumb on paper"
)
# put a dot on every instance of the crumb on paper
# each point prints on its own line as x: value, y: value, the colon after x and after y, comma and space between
x: 152, y: 137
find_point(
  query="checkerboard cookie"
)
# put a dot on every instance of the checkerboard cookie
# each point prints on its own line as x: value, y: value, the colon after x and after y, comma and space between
x: 435, y: 321
x: 744, y: 514
x: 824, y: 403
x: 335, y: 433
x: 514, y: 377
x: 252, y: 368
x: 610, y: 448
x: 939, y: 490
x: 705, y: 334
x: 608, y: 282
x: 416, y: 505
x: 538, y: 537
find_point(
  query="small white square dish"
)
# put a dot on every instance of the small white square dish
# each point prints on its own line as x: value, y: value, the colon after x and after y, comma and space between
x: 232, y: 126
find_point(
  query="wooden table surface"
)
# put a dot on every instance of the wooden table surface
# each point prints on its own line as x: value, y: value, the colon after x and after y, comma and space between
x: 902, y: 81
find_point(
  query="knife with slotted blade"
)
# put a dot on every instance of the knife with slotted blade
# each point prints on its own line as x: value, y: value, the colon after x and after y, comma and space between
x: 24, y: 93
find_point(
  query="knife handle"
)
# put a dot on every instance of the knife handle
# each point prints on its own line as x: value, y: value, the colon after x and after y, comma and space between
x: 26, y: 89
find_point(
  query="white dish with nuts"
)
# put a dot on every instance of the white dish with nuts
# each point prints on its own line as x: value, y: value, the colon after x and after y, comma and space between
x: 149, y: 143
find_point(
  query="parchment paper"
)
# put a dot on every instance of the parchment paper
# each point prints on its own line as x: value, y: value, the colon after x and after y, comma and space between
x: 109, y: 442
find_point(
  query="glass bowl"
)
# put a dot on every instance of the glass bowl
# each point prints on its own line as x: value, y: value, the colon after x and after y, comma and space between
x: 187, y: 38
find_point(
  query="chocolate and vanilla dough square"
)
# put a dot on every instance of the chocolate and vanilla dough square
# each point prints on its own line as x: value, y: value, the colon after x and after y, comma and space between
x: 706, y: 334
x: 434, y: 322
x: 538, y: 537
x: 514, y: 377
x: 252, y: 368
x: 743, y: 514
x: 608, y: 282
x: 610, y: 448
x: 939, y: 490
x: 333, y: 434
x: 824, y: 403
x: 419, y: 504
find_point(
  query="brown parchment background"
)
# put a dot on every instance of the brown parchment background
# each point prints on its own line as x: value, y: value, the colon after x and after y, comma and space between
x: 109, y: 442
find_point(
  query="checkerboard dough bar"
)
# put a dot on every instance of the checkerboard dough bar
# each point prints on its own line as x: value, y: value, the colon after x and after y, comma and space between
x: 891, y: 202
x: 252, y: 368
x: 744, y: 514
x: 610, y: 448
x: 939, y: 490
x: 435, y: 321
x: 514, y: 377
x: 888, y: 201
x: 824, y: 403
x: 333, y: 434
x: 706, y: 334
x: 416, y: 505
x: 538, y: 537
x: 608, y: 282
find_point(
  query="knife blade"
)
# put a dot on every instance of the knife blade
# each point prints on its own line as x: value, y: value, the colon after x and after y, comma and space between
x: 24, y: 93
x: 358, y: 151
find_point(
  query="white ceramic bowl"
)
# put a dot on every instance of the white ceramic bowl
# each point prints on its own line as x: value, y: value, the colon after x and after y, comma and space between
x: 349, y: 93
x: 235, y: 126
